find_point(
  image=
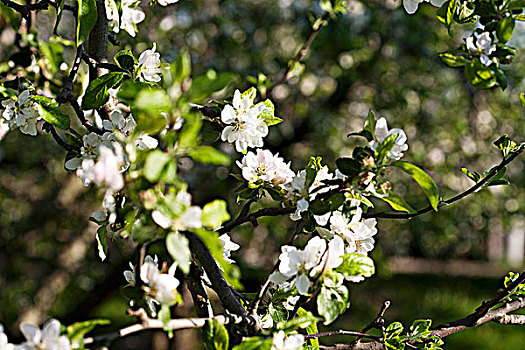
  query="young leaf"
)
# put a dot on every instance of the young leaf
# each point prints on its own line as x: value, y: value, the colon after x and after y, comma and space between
x: 311, y: 328
x: 125, y: 60
x: 424, y: 180
x: 87, y: 17
x: 215, y: 213
x: 254, y: 343
x: 370, y: 123
x: 77, y: 331
x: 51, y: 112
x: 327, y: 306
x: 209, y: 155
x: 505, y: 29
x: 474, y: 176
x: 215, y: 336
x: 348, y: 166
x: 155, y: 163
x: 97, y: 92
x: 178, y: 247
x: 398, y: 203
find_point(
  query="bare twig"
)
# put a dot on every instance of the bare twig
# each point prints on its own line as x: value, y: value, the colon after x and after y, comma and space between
x: 378, y: 322
x: 66, y: 95
x: 207, y: 111
x: 511, y: 319
x: 174, y: 324
x: 342, y: 332
x: 51, y: 129
x: 198, y: 292
x: 456, y: 198
x: 254, y: 216
x: 25, y: 10
x: 80, y: 114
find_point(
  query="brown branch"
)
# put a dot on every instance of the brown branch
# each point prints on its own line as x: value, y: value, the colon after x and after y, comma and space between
x: 66, y: 93
x: 378, y: 322
x: 456, y: 198
x: 198, y: 292
x: 254, y: 216
x: 174, y: 324
x: 219, y: 284
x: 80, y: 114
x: 207, y: 111
x: 342, y: 332
x: 511, y: 319
x: 47, y: 127
x: 25, y: 10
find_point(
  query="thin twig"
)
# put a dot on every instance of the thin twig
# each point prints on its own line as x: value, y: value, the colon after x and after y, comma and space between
x: 207, y: 111
x: 254, y: 216
x: 201, y: 301
x: 511, y: 319
x: 342, y: 332
x: 377, y: 322
x: 462, y: 195
x: 80, y: 114
x: 47, y: 127
x: 66, y: 93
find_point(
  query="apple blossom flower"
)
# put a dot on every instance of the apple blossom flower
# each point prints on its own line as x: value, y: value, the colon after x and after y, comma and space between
x: 266, y: 167
x: 381, y: 133
x: 412, y: 5
x: 281, y: 341
x: 483, y: 46
x: 228, y: 246
x: 144, y: 142
x: 106, y: 171
x: 162, y: 286
x: 120, y: 123
x: 316, y: 257
x: 48, y: 338
x: 357, y: 233
x: 189, y: 218
x: 128, y: 20
x: 4, y: 343
x: 245, y: 127
x: 150, y: 65
x: 167, y: 2
x: 22, y: 113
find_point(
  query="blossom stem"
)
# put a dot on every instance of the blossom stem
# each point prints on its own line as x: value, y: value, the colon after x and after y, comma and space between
x: 254, y: 216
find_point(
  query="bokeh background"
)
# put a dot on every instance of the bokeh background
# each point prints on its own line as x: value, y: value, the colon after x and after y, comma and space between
x: 439, y: 266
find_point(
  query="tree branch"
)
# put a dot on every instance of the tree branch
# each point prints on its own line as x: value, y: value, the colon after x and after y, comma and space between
x: 342, y: 332
x: 376, y: 323
x: 80, y: 114
x: 219, y: 284
x: 198, y: 292
x: 47, y: 127
x: 254, y: 216
x: 456, y: 198
x: 66, y: 93
x: 25, y: 10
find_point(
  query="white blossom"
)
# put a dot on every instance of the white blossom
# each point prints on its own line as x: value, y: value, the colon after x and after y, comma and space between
x: 48, y: 338
x: 22, y: 113
x: 150, y: 65
x: 482, y: 45
x: 144, y: 142
x: 167, y: 2
x: 281, y: 341
x: 228, y: 246
x: 412, y: 5
x: 106, y: 171
x: 162, y: 286
x: 266, y: 167
x: 4, y: 343
x: 245, y: 128
x: 188, y: 219
x: 129, y: 19
x: 381, y: 133
x: 120, y: 123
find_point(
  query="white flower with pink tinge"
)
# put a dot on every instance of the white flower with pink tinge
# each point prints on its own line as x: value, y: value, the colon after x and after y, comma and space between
x: 482, y: 45
x: 104, y: 172
x: 244, y: 128
x: 162, y: 286
x: 266, y: 167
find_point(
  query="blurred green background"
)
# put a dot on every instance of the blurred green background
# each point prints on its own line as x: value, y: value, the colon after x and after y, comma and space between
x: 440, y: 265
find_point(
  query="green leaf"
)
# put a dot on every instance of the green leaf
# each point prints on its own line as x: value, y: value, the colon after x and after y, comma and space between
x: 178, y: 247
x: 154, y: 165
x: 205, y: 85
x: 254, y: 343
x: 300, y: 321
x: 215, y: 336
x: 365, y: 133
x: 181, y: 68
x: 522, y: 99
x: 77, y: 331
x: 356, y: 265
x: 311, y: 328
x: 474, y: 176
x: 479, y: 76
x: 323, y: 206
x: 314, y: 165
x: 398, y: 203
x: 268, y: 114
x: 125, y: 60
x: 327, y: 306
x: 51, y: 112
x: 129, y: 90
x: 505, y: 29
x: 97, y: 92
x: 215, y: 213
x: 210, y: 155
x: 452, y: 60
x: 370, y: 123
x: 87, y: 17
x: 385, y: 147
x: 423, y: 179
x: 102, y: 243
x: 420, y: 327
x: 349, y: 166
x: 393, y: 330
x: 506, y: 144
x: 501, y: 78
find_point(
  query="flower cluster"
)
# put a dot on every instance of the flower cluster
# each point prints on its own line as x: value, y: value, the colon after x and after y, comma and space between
x: 301, y: 265
x: 244, y: 127
x: 48, y: 338
x: 266, y: 167
x: 129, y: 19
x: 21, y: 112
x: 483, y: 46
x: 412, y: 5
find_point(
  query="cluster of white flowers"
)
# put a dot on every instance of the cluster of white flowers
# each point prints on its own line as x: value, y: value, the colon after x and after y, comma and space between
x: 106, y: 171
x: 129, y: 19
x: 162, y: 286
x: 412, y: 5
x: 264, y: 166
x: 483, y: 46
x: 301, y: 265
x: 357, y: 233
x: 22, y: 113
x: 149, y: 62
x: 189, y: 218
x: 245, y: 127
x: 381, y: 133
x: 227, y: 247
